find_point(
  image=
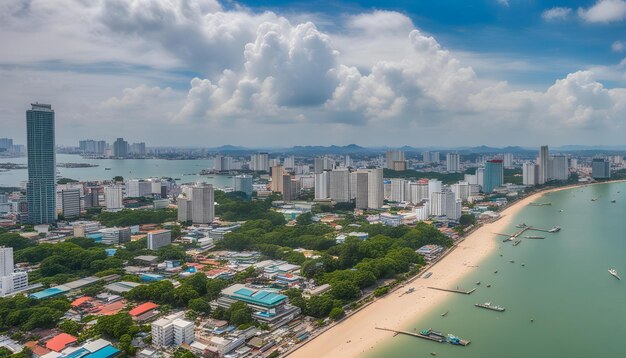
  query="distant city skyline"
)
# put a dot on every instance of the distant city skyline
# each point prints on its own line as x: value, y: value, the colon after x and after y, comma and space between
x: 447, y: 73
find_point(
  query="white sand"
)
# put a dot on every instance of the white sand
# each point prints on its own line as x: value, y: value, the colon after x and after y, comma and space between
x: 395, y: 311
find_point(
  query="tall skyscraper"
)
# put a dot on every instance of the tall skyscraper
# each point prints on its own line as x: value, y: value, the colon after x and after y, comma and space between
x: 361, y: 189
x: 321, y: 164
x: 426, y: 157
x: 277, y: 178
x: 494, y: 175
x: 196, y: 204
x: 375, y: 188
x: 434, y: 157
x: 322, y: 185
x: 340, y: 185
x: 243, y: 183
x: 398, y: 190
x: 289, y: 162
x: 120, y: 148
x: 453, y: 162
x: 507, y: 159
x: 113, y: 197
x: 529, y: 174
x: 6, y: 261
x: 395, y: 160
x: 559, y: 168
x: 260, y: 162
x: 544, y: 165
x: 70, y: 203
x: 41, y: 186
x: 600, y: 168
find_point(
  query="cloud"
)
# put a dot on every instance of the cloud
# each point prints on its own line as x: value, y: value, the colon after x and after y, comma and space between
x: 618, y: 46
x: 604, y: 11
x: 556, y: 13
x: 503, y: 2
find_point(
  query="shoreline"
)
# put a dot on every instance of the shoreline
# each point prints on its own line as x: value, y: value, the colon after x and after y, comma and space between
x: 356, y: 334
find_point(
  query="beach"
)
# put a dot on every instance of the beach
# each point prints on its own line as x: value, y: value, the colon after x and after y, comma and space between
x: 356, y: 335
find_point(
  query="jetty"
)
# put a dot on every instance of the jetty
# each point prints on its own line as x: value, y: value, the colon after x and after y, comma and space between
x: 523, y: 229
x: 465, y: 292
x: 434, y: 338
x: 430, y: 335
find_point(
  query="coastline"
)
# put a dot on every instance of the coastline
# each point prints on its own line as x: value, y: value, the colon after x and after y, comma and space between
x: 356, y: 335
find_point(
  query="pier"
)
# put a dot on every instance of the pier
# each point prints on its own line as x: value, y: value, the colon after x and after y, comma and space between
x: 524, y: 229
x: 453, y: 290
x: 430, y: 338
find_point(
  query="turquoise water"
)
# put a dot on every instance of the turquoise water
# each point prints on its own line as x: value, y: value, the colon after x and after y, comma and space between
x: 579, y: 310
x: 127, y: 168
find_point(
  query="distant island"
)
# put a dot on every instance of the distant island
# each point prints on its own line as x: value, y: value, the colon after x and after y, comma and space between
x: 76, y: 165
x: 11, y: 166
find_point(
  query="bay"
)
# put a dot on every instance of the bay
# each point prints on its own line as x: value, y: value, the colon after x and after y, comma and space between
x: 577, y: 308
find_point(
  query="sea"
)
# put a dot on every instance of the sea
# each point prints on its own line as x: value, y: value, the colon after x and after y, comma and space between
x: 184, y: 171
x: 561, y: 303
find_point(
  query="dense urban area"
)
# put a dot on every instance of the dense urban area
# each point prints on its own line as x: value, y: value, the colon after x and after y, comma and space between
x: 300, y: 239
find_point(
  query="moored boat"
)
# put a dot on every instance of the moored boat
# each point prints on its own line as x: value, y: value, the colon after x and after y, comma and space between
x: 614, y: 273
x: 490, y: 306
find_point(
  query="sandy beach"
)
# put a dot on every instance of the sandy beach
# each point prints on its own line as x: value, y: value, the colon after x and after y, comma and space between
x: 357, y: 335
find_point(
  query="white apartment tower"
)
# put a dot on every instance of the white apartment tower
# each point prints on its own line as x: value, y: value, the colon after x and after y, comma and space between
x: 529, y: 174
x: 544, y: 165
x: 453, y: 162
x: 113, y: 197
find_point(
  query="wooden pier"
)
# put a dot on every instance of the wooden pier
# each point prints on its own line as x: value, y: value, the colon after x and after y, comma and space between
x: 454, y: 290
x: 521, y: 231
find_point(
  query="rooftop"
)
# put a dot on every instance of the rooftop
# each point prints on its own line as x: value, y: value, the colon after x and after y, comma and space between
x: 142, y: 308
x: 59, y: 342
x: 253, y: 296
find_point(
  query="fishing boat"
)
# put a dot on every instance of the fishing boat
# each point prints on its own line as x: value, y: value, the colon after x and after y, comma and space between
x: 444, y: 314
x: 555, y: 229
x: 614, y: 273
x: 478, y: 282
x: 496, y: 271
x: 454, y: 340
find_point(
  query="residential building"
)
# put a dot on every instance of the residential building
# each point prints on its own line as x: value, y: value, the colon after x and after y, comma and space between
x: 172, y: 330
x: 544, y: 165
x: 434, y: 185
x: 243, y: 183
x: 289, y: 162
x: 115, y: 235
x: 417, y: 192
x: 198, y: 205
x: 290, y: 187
x: 70, y: 203
x: 113, y: 197
x: 559, y: 168
x: 494, y: 175
x: 321, y: 164
x: 222, y: 163
x: 120, y: 148
x: 375, y: 188
x: 136, y: 188
x: 361, y: 191
x: 159, y: 238
x: 461, y: 190
x: 395, y: 160
x: 277, y: 178
x: 600, y: 168
x: 90, y: 146
x: 434, y: 157
x: 260, y: 162
x: 322, y: 185
x: 41, y: 185
x: 426, y: 157
x: 138, y: 149
x: 398, y: 190
x: 507, y: 160
x: 10, y: 281
x: 453, y: 162
x: 339, y: 190
x: 529, y: 174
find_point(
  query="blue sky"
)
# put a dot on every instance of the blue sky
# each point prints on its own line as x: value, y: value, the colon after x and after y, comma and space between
x: 258, y: 73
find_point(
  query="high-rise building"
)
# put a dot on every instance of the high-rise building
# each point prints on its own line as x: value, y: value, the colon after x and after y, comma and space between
x: 159, y: 238
x: 507, y: 160
x: 529, y: 174
x: 418, y: 192
x: 340, y: 185
x: 290, y: 187
x: 243, y: 183
x: 398, y: 190
x: 10, y: 281
x: 434, y: 157
x: 480, y: 176
x: 289, y: 162
x: 260, y: 162
x: 6, y: 145
x: 138, y: 149
x: 375, y: 188
x: 90, y: 146
x: 113, y: 197
x: 426, y: 157
x: 277, y: 178
x: 196, y: 204
x: 362, y: 189
x: 136, y: 188
x: 120, y: 148
x: 322, y: 185
x: 395, y: 160
x: 347, y: 162
x: 434, y: 185
x: 600, y: 168
x: 321, y: 164
x: 70, y: 203
x: 544, y: 165
x: 222, y: 163
x: 559, y: 168
x: 461, y: 190
x: 115, y: 235
x: 494, y: 175
x: 453, y: 162
x: 6, y: 261
x: 41, y: 186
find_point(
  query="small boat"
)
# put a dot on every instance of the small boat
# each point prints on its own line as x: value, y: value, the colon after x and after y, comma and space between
x: 523, y: 264
x: 478, y: 282
x: 614, y: 273
x: 490, y: 306
x: 512, y: 261
x: 496, y: 271
x: 488, y: 286
x: 555, y: 229
x: 433, y: 353
x: 561, y: 210
x: 107, y: 168
x: 613, y: 201
x: 444, y: 314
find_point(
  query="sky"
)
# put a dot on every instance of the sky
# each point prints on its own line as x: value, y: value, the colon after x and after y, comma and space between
x: 282, y: 73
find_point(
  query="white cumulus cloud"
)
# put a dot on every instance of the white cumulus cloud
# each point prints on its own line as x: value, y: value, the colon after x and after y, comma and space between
x: 556, y: 13
x: 604, y: 11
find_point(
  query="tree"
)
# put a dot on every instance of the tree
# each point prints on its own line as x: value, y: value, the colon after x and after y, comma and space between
x: 336, y: 313
x: 239, y: 313
x: 183, y: 353
x: 70, y: 327
x: 305, y: 219
x: 199, y: 305
x: 118, y: 178
x: 467, y: 219
x: 114, y: 326
x: 345, y: 290
x: 319, y: 306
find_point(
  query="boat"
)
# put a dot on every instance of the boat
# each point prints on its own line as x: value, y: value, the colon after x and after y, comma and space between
x: 432, y: 335
x: 555, y: 229
x: 433, y: 353
x: 534, y: 237
x: 512, y: 261
x: 488, y: 286
x: 454, y: 340
x: 444, y: 314
x: 613, y: 201
x: 496, y: 271
x: 521, y: 226
x: 490, y: 306
x: 107, y: 168
x: 478, y: 282
x: 523, y: 264
x: 614, y: 273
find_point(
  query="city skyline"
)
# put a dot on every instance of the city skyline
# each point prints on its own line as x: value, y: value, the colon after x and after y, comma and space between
x: 211, y: 73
